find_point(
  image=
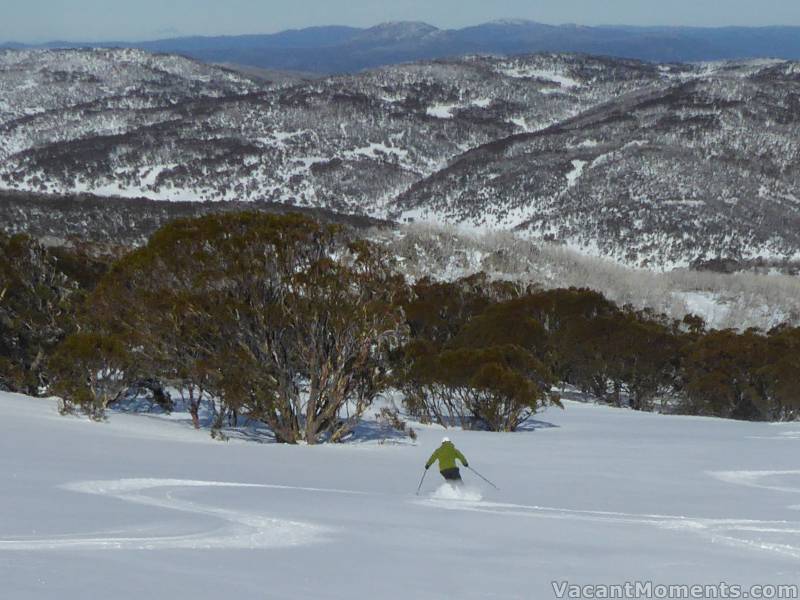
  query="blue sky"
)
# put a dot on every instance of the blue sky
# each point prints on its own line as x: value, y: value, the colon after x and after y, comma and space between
x: 103, y: 20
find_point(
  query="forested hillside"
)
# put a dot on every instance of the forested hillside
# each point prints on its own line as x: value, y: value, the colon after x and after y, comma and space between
x: 653, y: 165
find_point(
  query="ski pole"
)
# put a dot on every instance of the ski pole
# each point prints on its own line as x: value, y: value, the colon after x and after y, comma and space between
x: 419, y: 487
x: 484, y: 478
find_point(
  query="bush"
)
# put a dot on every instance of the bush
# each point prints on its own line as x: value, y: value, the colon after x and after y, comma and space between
x: 89, y: 372
x: 496, y: 388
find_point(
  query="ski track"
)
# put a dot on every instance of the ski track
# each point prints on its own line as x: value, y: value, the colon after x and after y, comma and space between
x: 245, y: 530
x: 731, y: 532
x: 242, y: 530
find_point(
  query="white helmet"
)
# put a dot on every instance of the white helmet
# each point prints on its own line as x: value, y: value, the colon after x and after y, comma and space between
x: 445, y: 440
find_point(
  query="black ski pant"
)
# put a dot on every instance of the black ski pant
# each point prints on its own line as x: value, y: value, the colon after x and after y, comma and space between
x: 451, y: 474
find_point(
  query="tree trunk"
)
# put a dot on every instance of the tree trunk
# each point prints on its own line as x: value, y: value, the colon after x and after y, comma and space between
x: 194, y: 408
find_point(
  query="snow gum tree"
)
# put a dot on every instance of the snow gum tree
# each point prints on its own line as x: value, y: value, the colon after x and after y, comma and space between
x: 36, y: 304
x: 343, y: 317
x: 89, y: 371
x: 497, y: 388
x: 474, y: 361
x: 281, y: 317
x: 621, y: 357
x: 301, y: 325
x: 724, y: 375
x: 315, y: 315
x: 781, y: 369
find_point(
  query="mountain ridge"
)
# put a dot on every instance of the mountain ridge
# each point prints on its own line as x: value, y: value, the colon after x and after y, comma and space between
x: 357, y: 48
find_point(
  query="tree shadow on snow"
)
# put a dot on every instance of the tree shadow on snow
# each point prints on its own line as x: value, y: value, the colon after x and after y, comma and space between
x: 534, y: 424
x: 371, y: 432
x: 259, y: 433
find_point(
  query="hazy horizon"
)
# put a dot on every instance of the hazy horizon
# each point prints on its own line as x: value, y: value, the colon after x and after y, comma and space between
x: 39, y: 21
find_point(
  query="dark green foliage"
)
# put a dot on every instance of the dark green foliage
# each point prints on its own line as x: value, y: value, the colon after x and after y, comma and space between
x: 577, y: 337
x: 781, y: 373
x: 621, y: 354
x: 36, y: 304
x: 253, y: 310
x: 501, y: 385
x: 90, y: 370
x: 83, y: 263
x: 506, y: 323
x: 474, y: 362
x: 301, y: 325
x: 439, y: 310
x: 724, y: 375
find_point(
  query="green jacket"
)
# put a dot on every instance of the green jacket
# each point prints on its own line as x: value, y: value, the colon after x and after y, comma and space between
x: 446, y: 454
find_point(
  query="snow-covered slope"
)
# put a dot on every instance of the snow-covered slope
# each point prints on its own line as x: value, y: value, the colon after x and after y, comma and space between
x: 145, y: 507
x: 179, y: 132
x: 700, y: 168
x: 652, y: 165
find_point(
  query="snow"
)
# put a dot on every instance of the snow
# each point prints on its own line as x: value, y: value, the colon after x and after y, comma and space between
x: 575, y: 174
x: 376, y: 150
x: 729, y: 68
x: 532, y: 72
x: 422, y: 214
x: 520, y: 122
x: 441, y: 111
x: 507, y: 219
x: 117, y: 189
x: 278, y: 139
x: 246, y: 530
x: 707, y: 305
x: 142, y: 506
x: 445, y: 110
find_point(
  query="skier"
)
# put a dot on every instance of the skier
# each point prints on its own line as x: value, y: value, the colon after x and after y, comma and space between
x: 447, y: 454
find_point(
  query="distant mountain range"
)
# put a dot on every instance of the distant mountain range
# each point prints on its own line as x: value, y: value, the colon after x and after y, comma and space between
x: 338, y: 49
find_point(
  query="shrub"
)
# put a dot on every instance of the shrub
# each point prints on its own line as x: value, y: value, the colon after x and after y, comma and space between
x: 89, y: 372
